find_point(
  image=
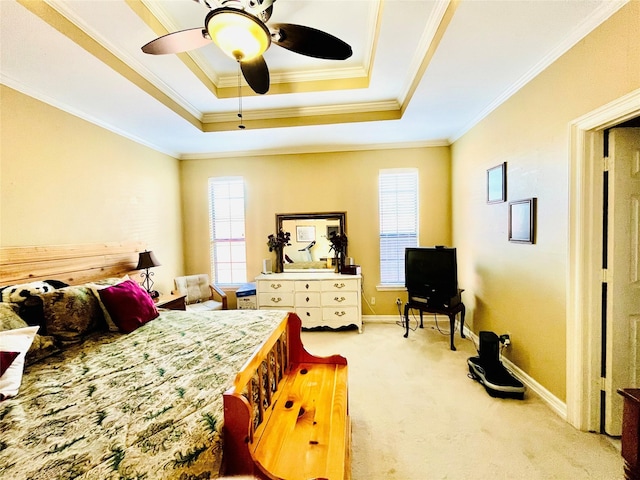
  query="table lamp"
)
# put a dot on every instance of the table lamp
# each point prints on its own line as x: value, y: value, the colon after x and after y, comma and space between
x: 147, y: 260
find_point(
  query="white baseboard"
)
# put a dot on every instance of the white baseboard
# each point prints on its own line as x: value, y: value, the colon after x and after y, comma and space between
x: 557, y: 405
x: 428, y: 318
x: 547, y: 397
x: 381, y: 319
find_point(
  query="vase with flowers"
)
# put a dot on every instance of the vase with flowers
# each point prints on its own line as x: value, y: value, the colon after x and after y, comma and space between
x: 276, y: 244
x: 339, y: 247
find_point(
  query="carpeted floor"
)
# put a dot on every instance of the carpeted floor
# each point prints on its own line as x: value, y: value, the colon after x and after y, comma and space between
x: 416, y: 415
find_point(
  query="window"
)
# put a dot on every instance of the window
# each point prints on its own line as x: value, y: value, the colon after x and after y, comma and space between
x: 226, y: 226
x: 398, y: 196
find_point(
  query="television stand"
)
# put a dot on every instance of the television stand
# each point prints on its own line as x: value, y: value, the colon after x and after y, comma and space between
x: 450, y: 311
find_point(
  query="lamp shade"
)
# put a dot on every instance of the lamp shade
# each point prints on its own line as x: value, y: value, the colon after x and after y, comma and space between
x: 147, y: 259
x: 238, y: 33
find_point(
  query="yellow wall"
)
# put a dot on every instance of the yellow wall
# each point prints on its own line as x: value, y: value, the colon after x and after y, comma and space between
x: 64, y: 180
x: 322, y: 182
x: 521, y: 289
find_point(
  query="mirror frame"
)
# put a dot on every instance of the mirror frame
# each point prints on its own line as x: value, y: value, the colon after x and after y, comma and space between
x: 340, y: 216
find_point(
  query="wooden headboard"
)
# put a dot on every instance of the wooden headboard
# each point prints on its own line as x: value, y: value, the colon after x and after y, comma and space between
x: 73, y: 264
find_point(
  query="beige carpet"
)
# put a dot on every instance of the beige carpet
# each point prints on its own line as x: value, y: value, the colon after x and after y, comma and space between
x: 416, y: 415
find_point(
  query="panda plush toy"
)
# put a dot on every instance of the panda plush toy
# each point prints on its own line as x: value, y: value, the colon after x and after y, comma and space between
x: 27, y: 296
x: 19, y: 293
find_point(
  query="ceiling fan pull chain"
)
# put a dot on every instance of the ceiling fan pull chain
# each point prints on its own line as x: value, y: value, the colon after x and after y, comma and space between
x: 241, y: 126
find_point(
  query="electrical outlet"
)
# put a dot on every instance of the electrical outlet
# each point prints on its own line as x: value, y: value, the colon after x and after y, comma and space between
x: 398, y: 301
x: 505, y: 339
x: 373, y: 300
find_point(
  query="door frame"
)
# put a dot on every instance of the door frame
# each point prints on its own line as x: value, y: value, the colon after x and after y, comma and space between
x: 584, y: 273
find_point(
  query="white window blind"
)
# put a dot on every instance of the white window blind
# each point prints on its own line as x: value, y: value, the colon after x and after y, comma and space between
x: 227, y: 230
x: 398, y: 197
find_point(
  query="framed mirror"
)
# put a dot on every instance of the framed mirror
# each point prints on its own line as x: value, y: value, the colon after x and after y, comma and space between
x: 309, y: 249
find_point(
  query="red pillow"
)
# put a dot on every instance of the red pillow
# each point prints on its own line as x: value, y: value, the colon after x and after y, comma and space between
x: 129, y: 305
x: 6, y: 359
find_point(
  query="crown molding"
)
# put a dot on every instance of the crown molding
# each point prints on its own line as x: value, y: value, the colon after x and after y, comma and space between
x: 315, y: 149
x: 297, y: 112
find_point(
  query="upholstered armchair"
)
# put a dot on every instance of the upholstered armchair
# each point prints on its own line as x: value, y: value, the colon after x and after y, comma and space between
x: 200, y: 293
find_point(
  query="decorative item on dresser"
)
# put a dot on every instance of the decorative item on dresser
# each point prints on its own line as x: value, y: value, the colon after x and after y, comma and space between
x: 276, y: 244
x: 320, y: 299
x: 339, y: 247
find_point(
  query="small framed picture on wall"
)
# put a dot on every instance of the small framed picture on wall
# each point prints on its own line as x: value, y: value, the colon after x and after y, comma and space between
x: 305, y: 234
x: 522, y: 214
x: 497, y: 184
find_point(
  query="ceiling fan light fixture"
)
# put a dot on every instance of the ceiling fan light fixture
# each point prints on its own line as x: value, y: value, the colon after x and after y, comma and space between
x: 238, y: 34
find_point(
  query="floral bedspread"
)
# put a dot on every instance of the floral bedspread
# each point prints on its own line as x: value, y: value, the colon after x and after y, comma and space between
x: 147, y: 405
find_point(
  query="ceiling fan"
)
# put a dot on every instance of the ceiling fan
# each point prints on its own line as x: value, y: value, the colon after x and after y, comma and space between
x: 239, y: 28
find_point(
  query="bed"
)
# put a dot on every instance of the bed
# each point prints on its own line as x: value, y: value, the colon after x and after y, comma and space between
x: 146, y: 404
x: 142, y: 405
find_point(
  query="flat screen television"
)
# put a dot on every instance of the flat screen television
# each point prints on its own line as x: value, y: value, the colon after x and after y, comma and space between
x: 431, y: 273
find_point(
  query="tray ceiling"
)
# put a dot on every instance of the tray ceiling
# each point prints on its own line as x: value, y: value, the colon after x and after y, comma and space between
x: 422, y: 72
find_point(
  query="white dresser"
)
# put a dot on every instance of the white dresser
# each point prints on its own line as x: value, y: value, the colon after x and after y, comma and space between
x: 320, y: 299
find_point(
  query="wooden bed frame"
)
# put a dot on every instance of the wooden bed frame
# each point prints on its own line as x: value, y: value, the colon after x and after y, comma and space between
x: 72, y: 264
x: 286, y: 415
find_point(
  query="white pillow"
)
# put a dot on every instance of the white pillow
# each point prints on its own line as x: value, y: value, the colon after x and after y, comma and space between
x: 18, y: 340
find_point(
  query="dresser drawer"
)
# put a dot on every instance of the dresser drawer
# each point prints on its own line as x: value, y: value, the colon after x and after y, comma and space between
x: 311, y: 317
x: 339, y: 285
x: 275, y: 286
x: 307, y: 286
x: 307, y: 299
x: 344, y: 315
x: 275, y: 299
x: 330, y: 299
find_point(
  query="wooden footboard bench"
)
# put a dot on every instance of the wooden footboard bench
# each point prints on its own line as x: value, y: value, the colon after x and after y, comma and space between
x: 287, y: 413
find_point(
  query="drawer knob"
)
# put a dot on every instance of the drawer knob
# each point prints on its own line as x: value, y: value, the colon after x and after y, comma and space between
x: 339, y: 299
x: 276, y: 299
x: 307, y: 286
x: 307, y: 299
x: 276, y: 286
x: 339, y: 314
x: 339, y: 285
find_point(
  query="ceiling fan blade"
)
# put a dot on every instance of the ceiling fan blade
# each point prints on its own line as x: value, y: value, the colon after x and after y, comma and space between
x: 178, y: 42
x: 309, y: 41
x: 256, y: 73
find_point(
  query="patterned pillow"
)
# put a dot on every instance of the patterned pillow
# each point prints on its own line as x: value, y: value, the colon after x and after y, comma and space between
x: 99, y: 285
x: 9, y: 318
x: 42, y: 345
x: 17, y: 340
x: 70, y: 313
x: 107, y: 282
x: 32, y: 312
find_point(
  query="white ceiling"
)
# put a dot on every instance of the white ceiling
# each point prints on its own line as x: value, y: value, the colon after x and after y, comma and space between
x: 422, y: 72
